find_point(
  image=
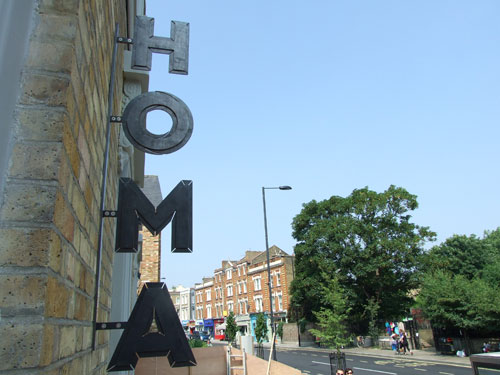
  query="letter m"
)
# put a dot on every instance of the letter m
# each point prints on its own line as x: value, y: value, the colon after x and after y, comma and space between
x: 135, y: 208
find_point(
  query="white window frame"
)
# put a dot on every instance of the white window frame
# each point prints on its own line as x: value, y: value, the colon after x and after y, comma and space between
x: 229, y: 274
x: 230, y: 290
x: 257, y: 283
x: 259, y: 307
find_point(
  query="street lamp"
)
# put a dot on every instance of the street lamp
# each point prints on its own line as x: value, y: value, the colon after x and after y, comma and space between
x: 268, y: 263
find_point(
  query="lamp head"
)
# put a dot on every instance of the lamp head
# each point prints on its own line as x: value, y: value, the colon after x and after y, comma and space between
x: 285, y: 187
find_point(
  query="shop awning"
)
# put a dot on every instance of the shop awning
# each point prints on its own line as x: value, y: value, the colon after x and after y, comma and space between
x: 221, y: 326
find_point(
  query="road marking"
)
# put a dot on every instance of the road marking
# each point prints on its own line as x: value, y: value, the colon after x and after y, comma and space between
x: 359, y: 368
x: 363, y: 361
x: 349, y: 359
x: 420, y: 369
x: 314, y: 355
x: 380, y: 372
x: 426, y: 362
x: 446, y: 373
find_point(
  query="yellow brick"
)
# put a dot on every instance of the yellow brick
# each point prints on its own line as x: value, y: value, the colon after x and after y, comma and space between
x: 56, y: 299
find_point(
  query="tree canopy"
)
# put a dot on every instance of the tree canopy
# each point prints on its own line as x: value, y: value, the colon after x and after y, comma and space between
x: 260, y: 328
x: 332, y: 319
x: 368, y: 240
x: 461, y: 282
x: 231, y: 327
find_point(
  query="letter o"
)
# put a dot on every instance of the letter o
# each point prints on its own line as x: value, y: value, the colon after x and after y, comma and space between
x: 134, y: 123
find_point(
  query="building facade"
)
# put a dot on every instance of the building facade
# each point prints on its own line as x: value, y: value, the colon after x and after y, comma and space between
x: 241, y: 287
x: 55, y: 64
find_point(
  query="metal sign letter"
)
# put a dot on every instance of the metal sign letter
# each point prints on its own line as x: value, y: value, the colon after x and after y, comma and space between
x: 145, y: 43
x: 153, y: 330
x: 134, y: 123
x: 134, y: 208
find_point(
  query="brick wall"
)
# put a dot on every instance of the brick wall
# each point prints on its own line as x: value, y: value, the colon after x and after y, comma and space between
x: 49, y: 218
x: 151, y: 258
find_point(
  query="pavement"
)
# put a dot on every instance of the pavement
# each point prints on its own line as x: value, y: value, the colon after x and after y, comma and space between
x: 427, y: 355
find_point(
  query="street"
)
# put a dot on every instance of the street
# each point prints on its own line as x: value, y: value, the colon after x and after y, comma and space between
x: 315, y: 362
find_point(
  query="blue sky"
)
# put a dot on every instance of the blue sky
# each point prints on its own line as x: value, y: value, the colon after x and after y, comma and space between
x: 327, y: 97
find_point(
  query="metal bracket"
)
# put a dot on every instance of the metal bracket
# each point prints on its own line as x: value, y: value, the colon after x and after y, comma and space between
x: 123, y: 40
x: 109, y: 213
x: 110, y: 325
x: 115, y: 119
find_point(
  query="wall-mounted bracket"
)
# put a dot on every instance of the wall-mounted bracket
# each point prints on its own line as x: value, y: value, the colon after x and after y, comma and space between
x: 109, y: 213
x: 123, y: 40
x: 110, y: 325
x: 115, y: 119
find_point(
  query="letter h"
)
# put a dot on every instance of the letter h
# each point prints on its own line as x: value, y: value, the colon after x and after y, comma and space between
x: 145, y: 43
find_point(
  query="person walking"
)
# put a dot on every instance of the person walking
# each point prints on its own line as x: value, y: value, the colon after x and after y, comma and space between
x: 403, y: 342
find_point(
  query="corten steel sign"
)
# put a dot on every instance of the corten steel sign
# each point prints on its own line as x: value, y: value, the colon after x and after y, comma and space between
x: 134, y: 123
x: 153, y: 328
x: 135, y: 208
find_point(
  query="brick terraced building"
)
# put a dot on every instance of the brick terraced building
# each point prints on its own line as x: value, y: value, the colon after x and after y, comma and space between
x: 241, y: 287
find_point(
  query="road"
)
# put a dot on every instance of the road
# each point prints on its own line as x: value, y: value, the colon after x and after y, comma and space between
x: 317, y: 363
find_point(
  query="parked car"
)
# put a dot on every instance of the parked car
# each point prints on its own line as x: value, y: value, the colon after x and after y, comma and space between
x: 194, y: 336
x: 205, y: 335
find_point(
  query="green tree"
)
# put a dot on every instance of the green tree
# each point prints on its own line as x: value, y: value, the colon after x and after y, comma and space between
x: 260, y: 328
x: 460, y: 255
x: 332, y: 318
x: 231, y: 327
x: 461, y: 281
x: 279, y: 330
x: 366, y: 238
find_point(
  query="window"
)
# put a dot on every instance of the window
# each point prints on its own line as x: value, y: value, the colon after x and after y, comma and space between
x: 229, y: 274
x: 230, y: 306
x: 280, y: 302
x: 239, y: 271
x: 239, y: 287
x: 230, y: 290
x: 244, y: 270
x: 209, y: 311
x: 256, y: 283
x: 258, y: 303
x: 244, y: 286
x: 278, y: 278
x: 208, y: 294
x: 242, y: 304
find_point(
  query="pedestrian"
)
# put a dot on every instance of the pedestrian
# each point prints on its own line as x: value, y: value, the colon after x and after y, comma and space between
x: 403, y: 342
x: 348, y: 371
x: 339, y: 372
x: 394, y: 342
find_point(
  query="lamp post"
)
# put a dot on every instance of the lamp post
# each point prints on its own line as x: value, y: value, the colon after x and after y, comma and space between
x: 268, y: 262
